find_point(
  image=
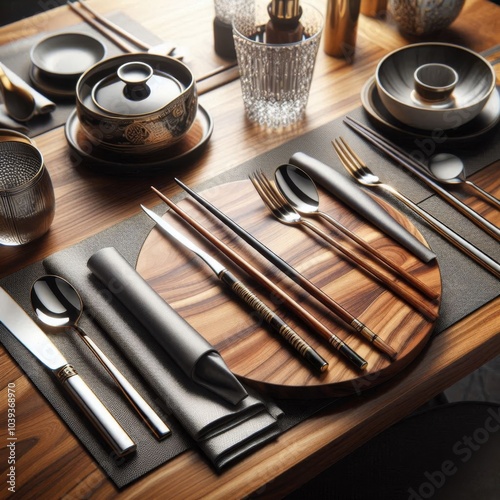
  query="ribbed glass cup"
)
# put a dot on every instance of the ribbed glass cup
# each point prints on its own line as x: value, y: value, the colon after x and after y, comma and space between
x: 27, y: 200
x: 275, y: 78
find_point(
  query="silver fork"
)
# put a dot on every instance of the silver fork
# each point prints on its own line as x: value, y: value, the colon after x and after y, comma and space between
x: 362, y: 174
x: 287, y: 215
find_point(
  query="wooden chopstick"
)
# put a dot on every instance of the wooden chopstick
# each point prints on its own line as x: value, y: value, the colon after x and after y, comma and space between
x: 307, y: 317
x: 114, y: 27
x: 102, y: 29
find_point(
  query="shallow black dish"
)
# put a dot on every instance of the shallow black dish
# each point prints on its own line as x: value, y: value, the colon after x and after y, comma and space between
x: 66, y: 55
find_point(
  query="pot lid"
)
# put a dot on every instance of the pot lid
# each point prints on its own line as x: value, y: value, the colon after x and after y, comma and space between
x: 135, y: 89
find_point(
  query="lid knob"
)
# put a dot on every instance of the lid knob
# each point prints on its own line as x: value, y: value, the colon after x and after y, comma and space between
x: 135, y: 76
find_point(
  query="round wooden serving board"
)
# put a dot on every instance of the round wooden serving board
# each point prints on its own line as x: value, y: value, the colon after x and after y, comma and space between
x: 252, y: 350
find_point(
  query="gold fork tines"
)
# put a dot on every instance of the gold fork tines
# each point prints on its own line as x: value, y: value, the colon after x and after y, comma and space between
x: 362, y: 174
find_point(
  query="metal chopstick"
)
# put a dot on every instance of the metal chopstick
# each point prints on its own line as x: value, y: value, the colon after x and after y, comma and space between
x: 418, y: 169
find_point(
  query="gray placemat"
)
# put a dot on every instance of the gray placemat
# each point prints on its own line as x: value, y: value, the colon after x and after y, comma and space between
x: 16, y: 56
x: 466, y: 287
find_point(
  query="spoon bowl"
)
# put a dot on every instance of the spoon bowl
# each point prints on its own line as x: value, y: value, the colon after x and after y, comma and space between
x: 449, y: 169
x: 56, y: 302
x: 58, y: 305
x: 298, y: 188
x: 20, y: 104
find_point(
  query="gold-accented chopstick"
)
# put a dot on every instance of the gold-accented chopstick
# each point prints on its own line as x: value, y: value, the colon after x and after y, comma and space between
x: 241, y: 291
x: 307, y: 317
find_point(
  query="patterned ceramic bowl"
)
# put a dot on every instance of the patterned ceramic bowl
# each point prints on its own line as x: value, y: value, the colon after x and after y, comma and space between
x: 136, y: 103
x: 421, y: 17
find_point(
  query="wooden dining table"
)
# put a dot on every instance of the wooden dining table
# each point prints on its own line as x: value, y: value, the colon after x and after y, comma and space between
x: 50, y: 461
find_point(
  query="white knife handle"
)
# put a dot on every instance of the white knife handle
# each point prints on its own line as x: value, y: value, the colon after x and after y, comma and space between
x: 106, y: 424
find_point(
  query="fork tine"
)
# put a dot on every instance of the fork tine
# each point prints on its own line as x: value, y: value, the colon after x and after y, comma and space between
x: 343, y: 157
x: 278, y: 204
x: 351, y: 161
x: 357, y: 161
x: 268, y: 202
x: 269, y: 188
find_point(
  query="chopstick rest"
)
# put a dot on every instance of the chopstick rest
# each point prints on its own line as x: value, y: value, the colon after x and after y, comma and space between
x: 361, y: 203
x: 197, y: 358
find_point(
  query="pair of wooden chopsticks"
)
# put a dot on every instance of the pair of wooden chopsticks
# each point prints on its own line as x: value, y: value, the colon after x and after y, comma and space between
x: 293, y: 305
x: 308, y: 318
x: 109, y: 29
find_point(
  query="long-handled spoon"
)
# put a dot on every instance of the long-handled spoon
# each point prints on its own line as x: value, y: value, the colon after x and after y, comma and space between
x: 58, y: 304
x: 300, y: 191
x: 19, y: 102
x: 449, y: 169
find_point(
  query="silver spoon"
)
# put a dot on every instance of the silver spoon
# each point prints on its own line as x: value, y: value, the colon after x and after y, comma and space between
x: 301, y: 192
x: 58, y: 304
x: 20, y: 104
x: 449, y: 169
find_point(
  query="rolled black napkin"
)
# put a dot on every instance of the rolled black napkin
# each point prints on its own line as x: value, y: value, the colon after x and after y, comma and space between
x: 361, y: 203
x: 195, y: 356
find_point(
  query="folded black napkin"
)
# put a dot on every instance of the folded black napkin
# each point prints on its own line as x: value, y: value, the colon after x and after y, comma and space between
x: 223, y: 431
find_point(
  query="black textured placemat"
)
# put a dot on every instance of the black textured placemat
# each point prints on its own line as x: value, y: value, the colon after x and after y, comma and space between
x: 466, y: 287
x: 16, y: 56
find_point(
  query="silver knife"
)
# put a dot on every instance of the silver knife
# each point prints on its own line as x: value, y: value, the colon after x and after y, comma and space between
x: 17, y: 321
x: 241, y: 291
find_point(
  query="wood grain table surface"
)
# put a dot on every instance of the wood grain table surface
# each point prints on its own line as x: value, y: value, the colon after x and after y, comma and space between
x: 50, y: 462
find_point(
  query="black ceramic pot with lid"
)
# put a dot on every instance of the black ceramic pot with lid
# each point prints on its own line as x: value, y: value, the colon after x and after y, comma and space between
x: 136, y: 103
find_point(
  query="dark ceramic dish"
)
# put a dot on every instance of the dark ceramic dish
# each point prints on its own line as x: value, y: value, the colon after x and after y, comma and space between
x: 395, y: 78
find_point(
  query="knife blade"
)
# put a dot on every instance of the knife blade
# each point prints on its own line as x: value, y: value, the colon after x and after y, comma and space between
x: 241, y: 291
x: 27, y: 332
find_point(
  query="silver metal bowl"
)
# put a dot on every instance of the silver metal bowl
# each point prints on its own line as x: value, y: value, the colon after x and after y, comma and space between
x: 136, y: 103
x: 442, y: 102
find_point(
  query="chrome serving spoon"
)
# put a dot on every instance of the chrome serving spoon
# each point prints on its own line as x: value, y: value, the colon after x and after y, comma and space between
x: 449, y: 169
x: 20, y: 104
x: 59, y: 305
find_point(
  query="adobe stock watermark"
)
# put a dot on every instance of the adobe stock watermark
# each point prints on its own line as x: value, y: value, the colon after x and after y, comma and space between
x: 11, y: 437
x: 462, y: 451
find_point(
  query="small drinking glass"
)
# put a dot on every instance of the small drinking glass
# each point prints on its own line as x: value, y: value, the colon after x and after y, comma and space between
x: 275, y: 78
x: 27, y: 201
